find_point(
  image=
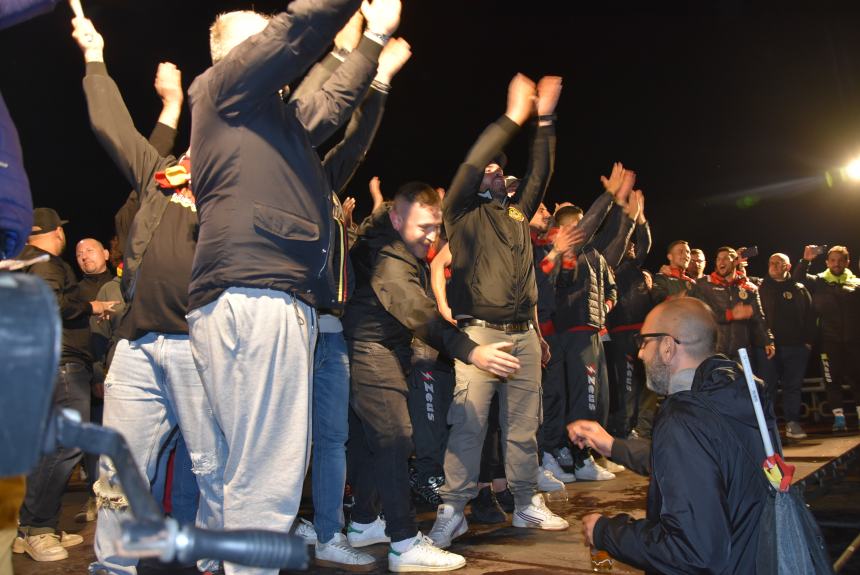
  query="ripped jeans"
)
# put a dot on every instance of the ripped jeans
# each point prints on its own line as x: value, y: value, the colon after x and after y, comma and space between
x: 152, y: 387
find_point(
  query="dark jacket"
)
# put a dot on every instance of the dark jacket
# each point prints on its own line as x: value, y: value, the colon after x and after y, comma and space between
x: 788, y: 311
x: 668, y: 286
x: 836, y: 305
x: 722, y: 296
x: 393, y: 300
x: 705, y: 499
x: 583, y: 289
x: 75, y: 310
x: 634, y: 297
x: 492, y: 269
x: 263, y: 198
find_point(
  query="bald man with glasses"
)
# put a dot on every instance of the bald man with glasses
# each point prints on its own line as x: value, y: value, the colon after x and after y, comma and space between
x: 704, y: 501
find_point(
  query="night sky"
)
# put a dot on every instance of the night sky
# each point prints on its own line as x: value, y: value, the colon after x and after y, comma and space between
x: 730, y: 112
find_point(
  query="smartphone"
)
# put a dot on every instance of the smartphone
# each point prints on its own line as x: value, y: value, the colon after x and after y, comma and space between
x: 819, y: 250
x: 749, y: 252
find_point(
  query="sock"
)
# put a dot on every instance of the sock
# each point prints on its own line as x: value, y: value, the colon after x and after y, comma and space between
x: 403, y: 545
x: 838, y: 412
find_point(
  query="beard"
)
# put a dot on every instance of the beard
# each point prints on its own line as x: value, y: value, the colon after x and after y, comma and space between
x: 657, y: 376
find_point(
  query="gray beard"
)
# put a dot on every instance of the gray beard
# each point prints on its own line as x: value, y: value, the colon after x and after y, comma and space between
x: 657, y: 377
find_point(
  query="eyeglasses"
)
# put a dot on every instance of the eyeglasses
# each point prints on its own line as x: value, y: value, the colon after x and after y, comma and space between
x: 640, y: 339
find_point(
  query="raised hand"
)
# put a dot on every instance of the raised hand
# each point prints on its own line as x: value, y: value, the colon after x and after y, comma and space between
x: 633, y: 206
x: 521, y: 99
x: 89, y: 40
x: 548, y: 93
x: 383, y: 16
x: 394, y: 55
x: 493, y: 358
x: 168, y: 83
x: 810, y: 253
x: 628, y: 180
x: 567, y: 238
x: 348, y: 207
x: 375, y: 192
x: 349, y: 36
x: 616, y: 178
x: 640, y: 200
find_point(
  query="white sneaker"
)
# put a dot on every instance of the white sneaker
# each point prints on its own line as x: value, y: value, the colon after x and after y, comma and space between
x: 565, y: 457
x: 449, y: 525
x: 551, y: 464
x: 590, y: 471
x: 538, y: 516
x: 338, y: 553
x: 305, y: 530
x: 367, y: 536
x: 611, y: 466
x: 546, y: 481
x: 44, y: 547
x: 423, y: 556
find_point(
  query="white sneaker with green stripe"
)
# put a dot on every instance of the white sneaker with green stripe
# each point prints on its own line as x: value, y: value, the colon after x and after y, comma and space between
x: 360, y: 535
x: 423, y: 556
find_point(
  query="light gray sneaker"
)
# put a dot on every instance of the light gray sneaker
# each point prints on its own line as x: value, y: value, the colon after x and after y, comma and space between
x: 449, y: 525
x: 338, y: 553
x: 793, y: 430
x: 305, y: 530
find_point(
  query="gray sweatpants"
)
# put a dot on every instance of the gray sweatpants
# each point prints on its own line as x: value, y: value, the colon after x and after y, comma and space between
x: 254, y: 351
x: 519, y: 416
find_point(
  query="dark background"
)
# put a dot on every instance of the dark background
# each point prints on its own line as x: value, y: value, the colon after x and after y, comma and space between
x: 730, y: 112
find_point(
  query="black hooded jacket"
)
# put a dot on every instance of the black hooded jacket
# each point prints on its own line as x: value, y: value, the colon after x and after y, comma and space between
x: 705, y: 499
x: 392, y: 299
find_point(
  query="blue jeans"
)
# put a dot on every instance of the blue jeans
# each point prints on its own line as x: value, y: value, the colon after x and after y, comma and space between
x: 153, y: 387
x: 46, y: 483
x: 330, y: 432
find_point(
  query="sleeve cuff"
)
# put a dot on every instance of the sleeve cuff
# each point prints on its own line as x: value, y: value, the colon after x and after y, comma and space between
x: 96, y: 69
x: 369, y: 48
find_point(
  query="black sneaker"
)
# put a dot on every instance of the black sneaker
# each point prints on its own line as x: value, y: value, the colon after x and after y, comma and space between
x: 486, y: 509
x: 506, y: 500
x: 429, y: 490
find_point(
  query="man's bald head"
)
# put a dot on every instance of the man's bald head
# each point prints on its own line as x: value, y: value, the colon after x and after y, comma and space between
x: 688, y: 320
x: 92, y: 256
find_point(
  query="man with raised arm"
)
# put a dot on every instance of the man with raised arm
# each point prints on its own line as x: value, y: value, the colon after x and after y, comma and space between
x: 493, y: 297
x: 261, y: 267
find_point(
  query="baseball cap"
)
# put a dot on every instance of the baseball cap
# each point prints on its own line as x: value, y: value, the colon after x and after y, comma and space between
x: 46, y: 220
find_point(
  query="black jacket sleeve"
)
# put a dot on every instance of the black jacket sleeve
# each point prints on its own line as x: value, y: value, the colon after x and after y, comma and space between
x: 634, y: 454
x: 539, y: 171
x: 612, y: 240
x: 136, y: 158
x: 800, y: 273
x: 593, y: 218
x: 323, y: 111
x: 316, y: 76
x: 642, y: 240
x: 341, y: 162
x: 398, y: 288
x: 62, y: 283
x: 462, y: 195
x: 693, y: 532
x: 266, y: 62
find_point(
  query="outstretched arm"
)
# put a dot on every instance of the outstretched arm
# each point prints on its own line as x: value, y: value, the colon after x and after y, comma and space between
x: 461, y: 194
x: 542, y: 154
x: 135, y: 157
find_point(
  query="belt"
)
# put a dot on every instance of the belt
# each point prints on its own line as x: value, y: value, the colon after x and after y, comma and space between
x: 515, y: 327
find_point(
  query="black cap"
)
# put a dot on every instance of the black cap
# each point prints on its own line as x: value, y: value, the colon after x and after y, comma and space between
x: 501, y: 159
x: 46, y: 220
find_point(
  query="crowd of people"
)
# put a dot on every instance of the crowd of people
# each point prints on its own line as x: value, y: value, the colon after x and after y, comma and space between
x: 463, y: 345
